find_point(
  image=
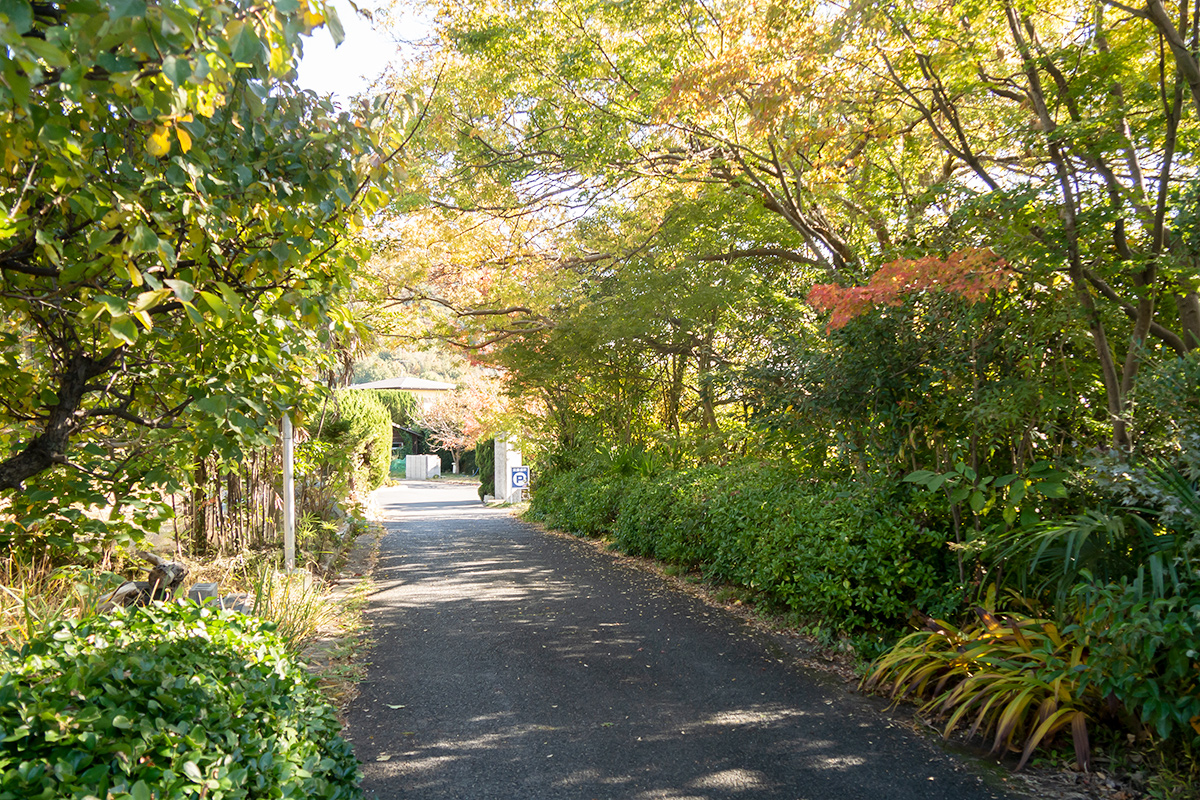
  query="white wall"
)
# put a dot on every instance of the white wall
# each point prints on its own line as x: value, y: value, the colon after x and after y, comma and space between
x: 422, y: 468
x: 507, y: 457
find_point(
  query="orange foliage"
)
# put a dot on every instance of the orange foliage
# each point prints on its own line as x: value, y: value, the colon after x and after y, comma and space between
x: 970, y: 274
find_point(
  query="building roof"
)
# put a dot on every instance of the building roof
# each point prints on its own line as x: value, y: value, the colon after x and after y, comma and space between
x: 406, y: 384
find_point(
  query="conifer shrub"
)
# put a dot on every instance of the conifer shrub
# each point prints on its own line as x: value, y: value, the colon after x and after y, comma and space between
x: 363, y: 431
x: 402, y: 406
x: 167, y: 701
x: 485, y: 458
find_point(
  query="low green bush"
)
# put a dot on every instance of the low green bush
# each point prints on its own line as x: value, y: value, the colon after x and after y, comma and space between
x: 1145, y: 652
x: 169, y: 701
x: 583, y: 501
x: 844, y: 555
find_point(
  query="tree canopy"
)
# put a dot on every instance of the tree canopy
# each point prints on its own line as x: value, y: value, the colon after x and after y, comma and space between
x: 668, y: 197
x: 177, y: 233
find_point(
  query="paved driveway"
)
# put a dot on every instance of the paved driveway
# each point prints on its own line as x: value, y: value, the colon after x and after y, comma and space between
x: 509, y: 663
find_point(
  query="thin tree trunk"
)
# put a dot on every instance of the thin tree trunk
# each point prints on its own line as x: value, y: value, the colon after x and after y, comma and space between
x: 200, y: 508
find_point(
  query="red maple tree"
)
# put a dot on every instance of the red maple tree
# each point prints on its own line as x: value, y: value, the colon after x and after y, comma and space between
x: 970, y: 274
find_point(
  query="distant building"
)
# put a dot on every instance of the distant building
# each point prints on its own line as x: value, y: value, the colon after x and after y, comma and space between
x: 426, y: 392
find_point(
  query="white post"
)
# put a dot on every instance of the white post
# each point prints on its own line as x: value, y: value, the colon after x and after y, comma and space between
x: 501, y: 467
x: 289, y: 498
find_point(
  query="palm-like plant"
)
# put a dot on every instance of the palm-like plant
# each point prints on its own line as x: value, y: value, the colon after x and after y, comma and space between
x: 1157, y: 533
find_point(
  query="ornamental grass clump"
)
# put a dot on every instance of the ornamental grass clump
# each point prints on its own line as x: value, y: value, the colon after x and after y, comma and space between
x: 166, y: 701
x: 1014, y: 678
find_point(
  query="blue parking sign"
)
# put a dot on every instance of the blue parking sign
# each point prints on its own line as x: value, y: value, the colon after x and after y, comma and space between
x: 520, y: 477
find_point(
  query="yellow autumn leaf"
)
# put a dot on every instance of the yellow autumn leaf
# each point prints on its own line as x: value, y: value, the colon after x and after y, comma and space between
x: 159, y: 143
x: 280, y: 62
x: 185, y: 139
x: 206, y: 103
x: 312, y: 20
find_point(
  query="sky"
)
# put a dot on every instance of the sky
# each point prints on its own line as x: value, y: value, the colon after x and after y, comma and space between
x: 365, y: 54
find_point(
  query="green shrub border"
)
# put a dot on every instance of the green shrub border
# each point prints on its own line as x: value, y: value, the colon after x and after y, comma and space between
x: 842, y: 555
x: 168, y: 701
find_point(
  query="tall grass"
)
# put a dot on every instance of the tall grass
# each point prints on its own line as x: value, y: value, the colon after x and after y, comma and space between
x: 301, y: 608
x: 36, y: 596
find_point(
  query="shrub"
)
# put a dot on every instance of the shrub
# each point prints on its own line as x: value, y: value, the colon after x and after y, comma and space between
x: 845, y: 555
x: 1145, y: 651
x: 182, y: 698
x: 583, y: 500
x: 485, y: 458
x: 362, y: 428
x: 402, y: 406
x: 1014, y: 676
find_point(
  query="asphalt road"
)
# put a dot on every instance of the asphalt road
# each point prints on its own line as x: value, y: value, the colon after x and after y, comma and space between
x: 509, y: 663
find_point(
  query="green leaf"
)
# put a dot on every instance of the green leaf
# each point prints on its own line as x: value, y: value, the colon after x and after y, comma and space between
x: 216, y: 305
x: 182, y: 289
x: 124, y: 329
x: 177, y: 70
x: 140, y: 791
x: 244, y: 44
x: 20, y: 14
x: 52, y: 55
x: 119, y: 9
x: 215, y: 406
x: 192, y: 771
x: 921, y: 476
x: 143, y: 239
x: 334, y: 23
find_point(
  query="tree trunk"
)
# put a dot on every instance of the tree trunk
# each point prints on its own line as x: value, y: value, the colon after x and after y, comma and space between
x: 50, y: 446
x: 200, y: 508
x: 1188, y: 306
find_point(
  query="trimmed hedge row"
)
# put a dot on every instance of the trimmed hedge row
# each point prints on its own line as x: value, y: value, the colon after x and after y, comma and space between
x: 840, y: 554
x: 170, y: 701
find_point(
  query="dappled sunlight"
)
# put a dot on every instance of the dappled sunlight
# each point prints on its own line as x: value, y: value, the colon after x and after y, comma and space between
x: 523, y: 665
x: 739, y: 780
x: 542, y: 745
x: 750, y: 716
x: 839, y: 762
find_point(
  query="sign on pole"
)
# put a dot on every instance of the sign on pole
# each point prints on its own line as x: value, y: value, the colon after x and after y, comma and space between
x: 520, y: 477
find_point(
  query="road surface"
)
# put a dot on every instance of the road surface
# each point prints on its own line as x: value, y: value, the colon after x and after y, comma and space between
x: 510, y: 663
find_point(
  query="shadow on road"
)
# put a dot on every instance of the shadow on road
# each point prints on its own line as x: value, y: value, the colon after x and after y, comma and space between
x: 511, y: 664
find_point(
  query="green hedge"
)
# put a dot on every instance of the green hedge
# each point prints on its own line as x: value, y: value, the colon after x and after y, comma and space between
x: 841, y: 554
x: 402, y: 406
x: 485, y: 459
x: 169, y: 701
x: 365, y: 429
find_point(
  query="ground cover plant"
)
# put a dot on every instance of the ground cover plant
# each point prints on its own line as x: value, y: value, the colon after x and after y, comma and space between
x: 169, y: 701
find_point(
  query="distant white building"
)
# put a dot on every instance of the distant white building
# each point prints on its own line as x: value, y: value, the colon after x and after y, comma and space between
x: 426, y: 392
